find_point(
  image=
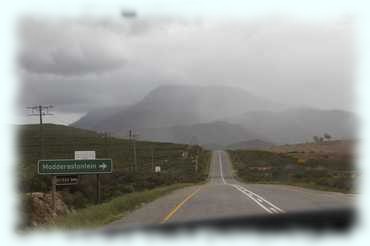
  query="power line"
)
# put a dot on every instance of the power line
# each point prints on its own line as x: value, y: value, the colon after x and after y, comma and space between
x: 132, y: 140
x: 40, y: 110
x: 134, y: 135
x: 152, y: 158
x: 43, y: 110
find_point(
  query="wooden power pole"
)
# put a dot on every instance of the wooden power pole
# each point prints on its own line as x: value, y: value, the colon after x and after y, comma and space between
x: 152, y: 158
x: 40, y: 111
x: 132, y: 140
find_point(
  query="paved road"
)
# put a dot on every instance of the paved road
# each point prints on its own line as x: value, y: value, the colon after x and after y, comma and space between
x: 224, y: 196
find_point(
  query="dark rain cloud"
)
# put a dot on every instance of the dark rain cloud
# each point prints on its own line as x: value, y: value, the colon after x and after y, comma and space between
x: 81, y: 64
x: 68, y: 48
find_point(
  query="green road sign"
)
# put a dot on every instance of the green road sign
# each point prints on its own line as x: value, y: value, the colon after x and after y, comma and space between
x: 66, y: 166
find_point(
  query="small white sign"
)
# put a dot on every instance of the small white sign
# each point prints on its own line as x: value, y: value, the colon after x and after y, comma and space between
x: 185, y: 154
x: 85, y: 155
x: 157, y: 169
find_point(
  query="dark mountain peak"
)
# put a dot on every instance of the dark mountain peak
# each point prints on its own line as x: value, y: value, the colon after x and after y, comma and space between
x: 217, y: 115
x: 172, y: 94
x: 253, y: 144
x: 195, y: 90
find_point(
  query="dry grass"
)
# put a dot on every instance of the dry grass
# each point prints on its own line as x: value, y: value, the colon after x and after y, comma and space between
x: 333, y: 150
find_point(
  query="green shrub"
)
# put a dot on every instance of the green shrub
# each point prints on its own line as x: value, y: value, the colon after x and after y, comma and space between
x: 316, y: 173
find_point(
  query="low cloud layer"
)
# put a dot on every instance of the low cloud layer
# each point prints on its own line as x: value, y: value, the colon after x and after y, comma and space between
x: 82, y: 64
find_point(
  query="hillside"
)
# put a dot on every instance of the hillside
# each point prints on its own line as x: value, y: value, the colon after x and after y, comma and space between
x: 259, y: 166
x: 206, y: 134
x: 298, y: 125
x: 334, y: 149
x: 61, y: 142
x: 93, y: 119
x: 168, y: 106
x: 255, y: 144
x: 177, y: 113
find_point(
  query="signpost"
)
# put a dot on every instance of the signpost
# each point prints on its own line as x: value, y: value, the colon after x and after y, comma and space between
x: 67, y: 180
x: 71, y: 166
x: 85, y: 155
x: 91, y: 155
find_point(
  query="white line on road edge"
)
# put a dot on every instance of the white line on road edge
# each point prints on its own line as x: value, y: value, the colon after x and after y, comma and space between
x: 259, y: 200
x: 274, y: 210
x: 260, y: 197
x: 221, y: 173
x: 245, y: 193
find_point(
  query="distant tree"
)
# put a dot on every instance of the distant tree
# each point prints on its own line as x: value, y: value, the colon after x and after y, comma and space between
x: 316, y: 139
x: 321, y: 139
x: 327, y: 136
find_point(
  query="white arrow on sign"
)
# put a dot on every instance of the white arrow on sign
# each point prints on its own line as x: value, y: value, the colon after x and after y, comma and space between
x: 103, y: 166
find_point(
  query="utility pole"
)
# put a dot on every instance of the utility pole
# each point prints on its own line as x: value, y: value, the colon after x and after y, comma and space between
x: 134, y: 145
x: 106, y: 136
x: 152, y: 158
x: 196, y: 163
x: 194, y: 145
x: 106, y: 143
x: 132, y: 139
x: 129, y: 150
x: 193, y: 141
x: 43, y: 110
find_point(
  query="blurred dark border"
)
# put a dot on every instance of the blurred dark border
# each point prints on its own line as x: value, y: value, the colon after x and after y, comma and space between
x: 333, y: 220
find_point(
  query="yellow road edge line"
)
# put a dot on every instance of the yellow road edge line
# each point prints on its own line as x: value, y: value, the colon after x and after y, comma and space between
x: 170, y: 214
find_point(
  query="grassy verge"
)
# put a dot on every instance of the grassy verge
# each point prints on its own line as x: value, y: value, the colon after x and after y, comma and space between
x: 98, y: 215
x: 264, y: 167
x: 312, y: 186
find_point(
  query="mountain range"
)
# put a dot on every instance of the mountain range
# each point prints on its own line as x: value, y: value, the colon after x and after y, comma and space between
x: 217, y: 116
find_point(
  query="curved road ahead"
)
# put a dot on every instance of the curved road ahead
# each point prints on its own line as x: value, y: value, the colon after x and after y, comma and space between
x: 223, y: 196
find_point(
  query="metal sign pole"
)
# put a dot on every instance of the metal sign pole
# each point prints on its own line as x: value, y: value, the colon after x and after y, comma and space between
x: 53, y: 190
x: 152, y: 159
x: 97, y: 188
x: 196, y: 164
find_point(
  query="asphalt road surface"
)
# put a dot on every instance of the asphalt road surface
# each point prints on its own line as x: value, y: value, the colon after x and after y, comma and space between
x: 225, y: 197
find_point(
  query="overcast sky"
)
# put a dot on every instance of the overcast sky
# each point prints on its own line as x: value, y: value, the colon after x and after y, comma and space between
x: 81, y: 64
